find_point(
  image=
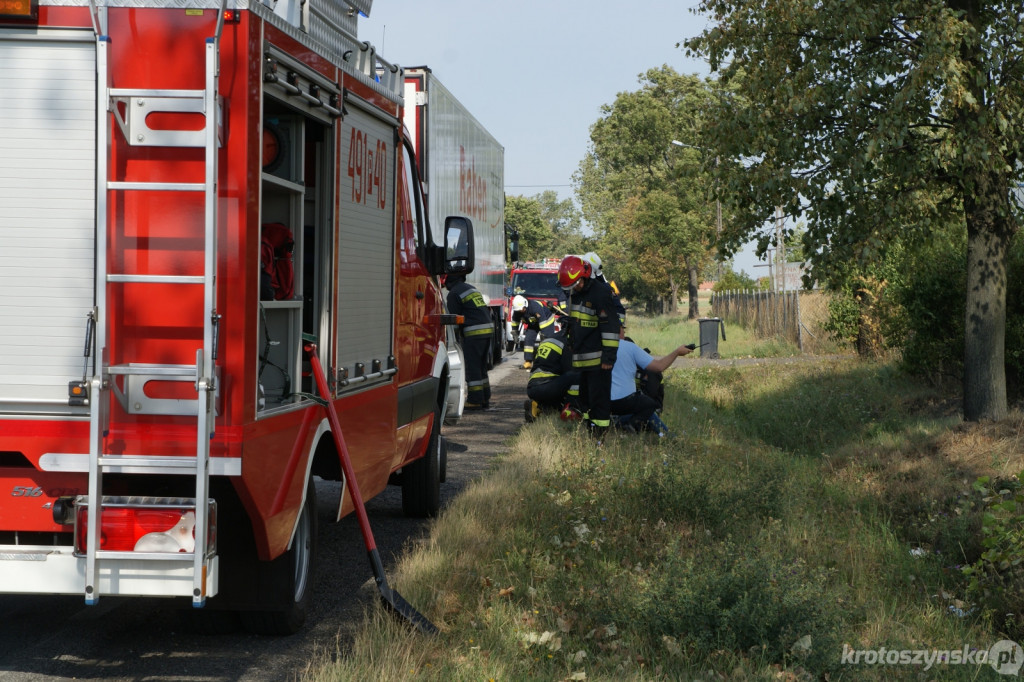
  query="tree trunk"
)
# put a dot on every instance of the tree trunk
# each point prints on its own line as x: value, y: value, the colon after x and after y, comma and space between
x: 988, y: 240
x: 693, y: 289
x: 673, y: 295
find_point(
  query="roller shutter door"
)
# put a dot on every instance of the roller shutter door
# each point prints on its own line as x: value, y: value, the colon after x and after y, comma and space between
x: 366, y: 246
x: 47, y: 214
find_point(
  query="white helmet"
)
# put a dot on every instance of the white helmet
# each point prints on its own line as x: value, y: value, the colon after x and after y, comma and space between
x: 519, y: 303
x: 595, y: 263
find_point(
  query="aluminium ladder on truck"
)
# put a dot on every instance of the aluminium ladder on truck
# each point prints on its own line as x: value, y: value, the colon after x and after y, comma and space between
x: 129, y: 108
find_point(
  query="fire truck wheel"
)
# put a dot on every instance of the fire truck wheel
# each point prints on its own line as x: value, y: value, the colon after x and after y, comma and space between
x: 208, y: 621
x: 444, y: 460
x: 286, y: 583
x: 421, y: 480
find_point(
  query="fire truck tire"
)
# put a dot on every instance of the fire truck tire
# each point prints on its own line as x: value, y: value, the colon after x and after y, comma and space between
x: 443, y: 476
x: 287, y: 581
x: 421, y: 480
x: 209, y: 621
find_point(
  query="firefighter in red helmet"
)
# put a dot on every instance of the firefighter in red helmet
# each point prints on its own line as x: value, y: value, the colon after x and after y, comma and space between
x: 594, y: 335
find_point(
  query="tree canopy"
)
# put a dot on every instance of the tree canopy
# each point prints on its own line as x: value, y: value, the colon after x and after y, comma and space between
x: 878, y: 122
x: 646, y: 196
x: 548, y: 228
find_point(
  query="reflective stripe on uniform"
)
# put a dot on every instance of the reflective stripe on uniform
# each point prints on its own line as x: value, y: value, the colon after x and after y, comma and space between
x: 474, y: 297
x: 610, y: 340
x: 586, y: 357
x: 476, y: 330
x: 554, y: 342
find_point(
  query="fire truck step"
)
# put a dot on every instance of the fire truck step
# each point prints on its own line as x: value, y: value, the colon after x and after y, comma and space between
x: 164, y: 371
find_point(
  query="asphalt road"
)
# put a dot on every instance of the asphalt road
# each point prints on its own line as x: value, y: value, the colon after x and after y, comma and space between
x: 119, y: 639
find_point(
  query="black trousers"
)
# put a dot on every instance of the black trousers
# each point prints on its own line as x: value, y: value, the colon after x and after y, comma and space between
x: 475, y: 350
x: 639, y: 405
x: 596, y: 389
x: 554, y: 391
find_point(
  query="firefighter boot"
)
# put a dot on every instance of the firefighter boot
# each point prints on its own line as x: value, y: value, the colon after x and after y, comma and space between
x: 528, y: 410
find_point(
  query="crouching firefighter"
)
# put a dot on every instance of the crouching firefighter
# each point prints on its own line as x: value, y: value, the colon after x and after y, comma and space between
x: 476, y: 332
x: 594, y: 335
x: 553, y: 383
x: 537, y: 321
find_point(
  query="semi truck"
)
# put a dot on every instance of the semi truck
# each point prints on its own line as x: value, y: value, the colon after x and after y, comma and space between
x: 201, y: 202
x: 463, y: 170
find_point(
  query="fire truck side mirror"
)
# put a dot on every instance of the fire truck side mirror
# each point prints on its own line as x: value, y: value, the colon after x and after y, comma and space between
x: 458, y: 245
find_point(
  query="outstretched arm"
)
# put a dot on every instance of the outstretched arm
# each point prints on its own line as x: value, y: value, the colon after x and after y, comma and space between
x: 665, y: 361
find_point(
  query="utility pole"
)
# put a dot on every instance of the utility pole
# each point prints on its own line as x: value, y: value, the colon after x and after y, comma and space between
x: 780, y: 251
x: 718, y: 205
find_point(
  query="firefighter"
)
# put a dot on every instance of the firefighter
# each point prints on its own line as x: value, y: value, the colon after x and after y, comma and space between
x: 537, y: 320
x: 476, y: 332
x: 553, y: 382
x: 594, y: 335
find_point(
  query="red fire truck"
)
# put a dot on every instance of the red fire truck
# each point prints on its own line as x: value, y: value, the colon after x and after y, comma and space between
x: 192, y: 192
x: 534, y: 280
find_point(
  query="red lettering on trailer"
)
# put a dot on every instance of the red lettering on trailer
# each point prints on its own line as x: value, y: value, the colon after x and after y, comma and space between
x: 367, y: 168
x: 472, y: 188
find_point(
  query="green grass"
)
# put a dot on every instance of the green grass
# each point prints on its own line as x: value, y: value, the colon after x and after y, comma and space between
x: 663, y: 333
x: 774, y: 528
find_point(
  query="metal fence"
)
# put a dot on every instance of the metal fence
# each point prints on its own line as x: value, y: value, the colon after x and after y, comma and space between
x: 798, y: 316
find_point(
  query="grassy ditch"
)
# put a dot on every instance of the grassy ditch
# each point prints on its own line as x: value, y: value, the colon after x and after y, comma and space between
x: 800, y: 510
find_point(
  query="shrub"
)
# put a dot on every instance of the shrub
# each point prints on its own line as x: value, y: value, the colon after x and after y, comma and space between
x: 997, y: 578
x: 745, y: 599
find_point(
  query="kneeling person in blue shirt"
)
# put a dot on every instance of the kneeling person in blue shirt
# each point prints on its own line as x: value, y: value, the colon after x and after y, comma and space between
x: 626, y: 399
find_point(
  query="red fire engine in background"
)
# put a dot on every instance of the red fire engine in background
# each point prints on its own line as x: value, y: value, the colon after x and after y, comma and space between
x: 536, y: 281
x: 190, y: 191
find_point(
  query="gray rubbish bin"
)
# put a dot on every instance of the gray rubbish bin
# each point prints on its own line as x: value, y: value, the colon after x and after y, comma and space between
x: 709, y: 327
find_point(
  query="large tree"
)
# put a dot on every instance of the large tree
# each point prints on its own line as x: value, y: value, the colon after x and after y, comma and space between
x: 635, y: 183
x: 878, y: 119
x: 565, y: 222
x: 523, y: 214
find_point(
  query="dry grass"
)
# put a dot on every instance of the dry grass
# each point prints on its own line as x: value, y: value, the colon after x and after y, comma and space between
x: 554, y: 565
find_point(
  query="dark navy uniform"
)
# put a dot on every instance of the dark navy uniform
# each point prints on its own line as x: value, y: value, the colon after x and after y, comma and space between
x: 594, y: 333
x: 476, y: 332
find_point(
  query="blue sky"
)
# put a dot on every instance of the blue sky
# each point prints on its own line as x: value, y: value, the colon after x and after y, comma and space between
x: 535, y: 73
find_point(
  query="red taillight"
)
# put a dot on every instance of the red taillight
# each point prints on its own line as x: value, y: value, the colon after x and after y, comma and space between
x: 143, y: 529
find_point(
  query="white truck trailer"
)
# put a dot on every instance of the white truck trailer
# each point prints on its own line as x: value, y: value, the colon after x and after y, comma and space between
x: 462, y: 167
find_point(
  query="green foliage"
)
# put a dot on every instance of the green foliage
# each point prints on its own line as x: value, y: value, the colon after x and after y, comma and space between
x: 566, y: 224
x: 535, y: 237
x: 734, y: 281
x: 929, y: 326
x: 548, y: 228
x: 648, y: 199
x: 881, y: 123
x: 729, y: 598
x: 997, y: 577
x: 843, y: 318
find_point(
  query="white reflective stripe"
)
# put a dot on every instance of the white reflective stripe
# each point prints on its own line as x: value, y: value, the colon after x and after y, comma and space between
x: 610, y: 337
x: 586, y: 356
x: 476, y: 327
x: 554, y: 342
x: 583, y: 310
